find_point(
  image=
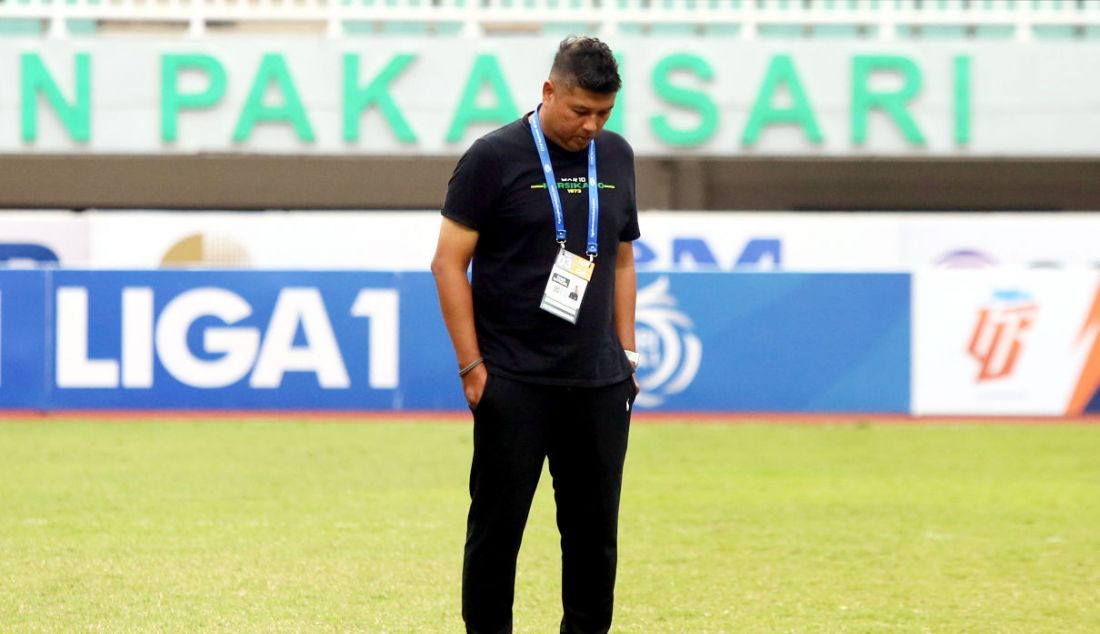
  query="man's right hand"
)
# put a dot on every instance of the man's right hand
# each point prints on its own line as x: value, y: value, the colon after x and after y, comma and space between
x: 473, y: 385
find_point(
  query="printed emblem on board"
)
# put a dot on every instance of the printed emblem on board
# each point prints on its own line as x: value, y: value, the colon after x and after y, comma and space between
x: 670, y: 351
x: 998, y: 338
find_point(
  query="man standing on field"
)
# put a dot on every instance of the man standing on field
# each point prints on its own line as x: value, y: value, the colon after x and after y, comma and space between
x: 544, y: 334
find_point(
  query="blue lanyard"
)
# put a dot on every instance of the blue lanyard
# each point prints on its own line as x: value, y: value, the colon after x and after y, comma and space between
x: 555, y: 199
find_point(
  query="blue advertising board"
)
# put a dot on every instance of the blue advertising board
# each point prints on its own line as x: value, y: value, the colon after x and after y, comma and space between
x: 774, y: 342
x: 351, y: 340
x: 23, y: 339
x: 249, y: 340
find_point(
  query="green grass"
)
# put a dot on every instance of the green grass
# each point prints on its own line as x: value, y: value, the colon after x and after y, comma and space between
x: 278, y: 526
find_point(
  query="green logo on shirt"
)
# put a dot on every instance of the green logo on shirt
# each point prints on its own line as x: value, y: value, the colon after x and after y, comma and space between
x: 574, y: 185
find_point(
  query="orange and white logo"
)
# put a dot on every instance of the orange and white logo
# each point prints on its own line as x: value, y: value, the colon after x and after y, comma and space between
x: 998, y: 338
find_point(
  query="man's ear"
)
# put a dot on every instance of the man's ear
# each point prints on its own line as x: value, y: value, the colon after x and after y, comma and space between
x: 547, y: 90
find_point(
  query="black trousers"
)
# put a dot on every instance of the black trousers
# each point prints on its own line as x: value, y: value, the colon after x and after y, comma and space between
x: 583, y: 432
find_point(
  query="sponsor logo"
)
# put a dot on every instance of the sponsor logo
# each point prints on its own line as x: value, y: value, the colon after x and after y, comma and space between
x: 692, y: 253
x: 27, y: 254
x: 998, y: 337
x: 975, y: 259
x: 965, y: 259
x: 201, y: 339
x: 670, y: 351
x: 211, y: 250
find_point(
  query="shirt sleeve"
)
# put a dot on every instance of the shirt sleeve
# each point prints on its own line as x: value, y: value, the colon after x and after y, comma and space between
x: 474, y: 187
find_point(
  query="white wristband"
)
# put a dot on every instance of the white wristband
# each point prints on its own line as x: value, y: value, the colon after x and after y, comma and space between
x: 633, y: 357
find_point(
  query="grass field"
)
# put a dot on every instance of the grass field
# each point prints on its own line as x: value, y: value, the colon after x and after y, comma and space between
x: 291, y: 526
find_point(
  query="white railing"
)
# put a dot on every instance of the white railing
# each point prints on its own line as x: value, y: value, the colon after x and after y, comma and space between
x: 880, y: 18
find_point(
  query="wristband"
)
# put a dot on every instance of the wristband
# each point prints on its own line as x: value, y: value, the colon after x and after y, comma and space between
x: 473, y: 364
x: 633, y: 357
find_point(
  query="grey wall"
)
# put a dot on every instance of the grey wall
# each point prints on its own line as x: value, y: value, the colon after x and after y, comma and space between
x: 279, y: 182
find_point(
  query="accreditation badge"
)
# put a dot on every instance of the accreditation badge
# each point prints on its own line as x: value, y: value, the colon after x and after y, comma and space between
x: 565, y: 289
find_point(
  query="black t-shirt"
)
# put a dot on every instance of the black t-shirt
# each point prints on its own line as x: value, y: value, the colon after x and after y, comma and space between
x: 498, y: 188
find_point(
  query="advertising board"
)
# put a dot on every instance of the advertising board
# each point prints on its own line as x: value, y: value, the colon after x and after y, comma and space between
x: 1006, y: 342
x: 24, y: 348
x: 748, y: 241
x: 354, y: 340
x: 43, y: 238
x: 992, y: 240
x: 375, y: 240
x: 385, y: 241
x: 246, y: 340
x: 785, y: 342
x: 671, y: 241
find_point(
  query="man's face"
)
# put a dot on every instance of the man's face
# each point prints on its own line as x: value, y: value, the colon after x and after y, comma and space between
x: 571, y: 116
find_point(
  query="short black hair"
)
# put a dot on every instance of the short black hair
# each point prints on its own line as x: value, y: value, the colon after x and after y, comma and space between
x: 588, y: 63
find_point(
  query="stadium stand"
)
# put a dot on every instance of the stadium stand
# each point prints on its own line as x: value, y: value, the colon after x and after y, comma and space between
x: 1019, y: 20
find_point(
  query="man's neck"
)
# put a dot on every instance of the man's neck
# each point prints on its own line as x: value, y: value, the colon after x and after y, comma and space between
x: 548, y: 133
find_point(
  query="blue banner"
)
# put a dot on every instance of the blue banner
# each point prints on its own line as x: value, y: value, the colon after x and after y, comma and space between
x: 344, y: 340
x: 250, y: 340
x: 23, y: 339
x: 774, y: 342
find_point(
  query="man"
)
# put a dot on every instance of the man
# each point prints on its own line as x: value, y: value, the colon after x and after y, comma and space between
x: 540, y: 205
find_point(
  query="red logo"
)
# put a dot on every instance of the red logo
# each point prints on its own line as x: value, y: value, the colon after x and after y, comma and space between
x: 998, y: 336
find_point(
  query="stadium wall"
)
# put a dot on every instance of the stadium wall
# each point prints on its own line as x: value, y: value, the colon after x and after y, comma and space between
x: 342, y: 340
x: 899, y: 313
x: 933, y: 343
x: 671, y: 241
x: 290, y: 122
x: 426, y: 97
